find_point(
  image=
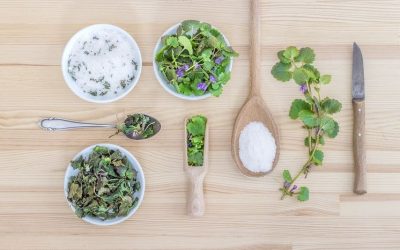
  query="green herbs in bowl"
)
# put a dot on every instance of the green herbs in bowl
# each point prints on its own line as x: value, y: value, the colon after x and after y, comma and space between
x: 104, y: 184
x: 195, y: 133
x: 193, y: 60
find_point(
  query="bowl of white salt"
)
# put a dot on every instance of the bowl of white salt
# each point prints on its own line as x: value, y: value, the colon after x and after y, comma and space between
x: 101, y: 63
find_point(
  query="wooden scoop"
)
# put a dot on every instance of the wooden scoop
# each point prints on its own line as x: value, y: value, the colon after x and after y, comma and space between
x: 254, y: 109
x: 196, y: 174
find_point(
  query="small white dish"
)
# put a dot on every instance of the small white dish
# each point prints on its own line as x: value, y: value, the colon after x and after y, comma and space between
x: 74, y: 86
x: 140, y: 177
x: 161, y: 78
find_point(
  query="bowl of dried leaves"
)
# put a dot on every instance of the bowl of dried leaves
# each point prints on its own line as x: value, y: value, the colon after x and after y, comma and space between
x: 104, y: 184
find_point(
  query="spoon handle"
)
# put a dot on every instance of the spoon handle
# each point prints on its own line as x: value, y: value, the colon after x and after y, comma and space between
x: 53, y: 124
x: 195, y: 203
x: 255, y: 63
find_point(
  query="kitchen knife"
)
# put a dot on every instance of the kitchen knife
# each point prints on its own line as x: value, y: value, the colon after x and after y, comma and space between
x: 360, y: 167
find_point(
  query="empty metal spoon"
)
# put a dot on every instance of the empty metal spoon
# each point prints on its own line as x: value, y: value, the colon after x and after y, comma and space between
x: 55, y: 124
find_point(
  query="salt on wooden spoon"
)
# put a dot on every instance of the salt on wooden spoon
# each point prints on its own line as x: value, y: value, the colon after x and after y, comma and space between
x: 195, y: 175
x: 254, y: 110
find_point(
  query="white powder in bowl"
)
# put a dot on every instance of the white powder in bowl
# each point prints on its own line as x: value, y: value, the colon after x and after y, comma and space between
x: 257, y: 147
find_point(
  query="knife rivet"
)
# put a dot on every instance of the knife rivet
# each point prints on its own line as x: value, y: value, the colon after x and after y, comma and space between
x: 359, y: 110
x: 359, y: 134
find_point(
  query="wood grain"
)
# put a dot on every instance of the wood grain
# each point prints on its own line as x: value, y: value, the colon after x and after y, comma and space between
x: 242, y: 213
x: 360, y: 164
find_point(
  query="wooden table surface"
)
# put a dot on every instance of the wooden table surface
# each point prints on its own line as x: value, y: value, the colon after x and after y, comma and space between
x: 242, y: 213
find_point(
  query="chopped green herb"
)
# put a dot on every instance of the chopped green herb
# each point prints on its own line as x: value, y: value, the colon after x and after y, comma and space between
x: 105, y: 185
x: 137, y: 124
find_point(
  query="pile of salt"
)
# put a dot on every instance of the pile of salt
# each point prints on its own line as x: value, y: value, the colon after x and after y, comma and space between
x: 257, y: 147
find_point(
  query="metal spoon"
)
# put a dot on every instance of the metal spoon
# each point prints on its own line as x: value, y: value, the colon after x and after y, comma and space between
x: 55, y: 124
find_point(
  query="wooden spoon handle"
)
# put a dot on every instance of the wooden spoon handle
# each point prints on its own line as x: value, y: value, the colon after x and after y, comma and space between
x: 255, y: 63
x: 195, y: 205
x: 360, y: 182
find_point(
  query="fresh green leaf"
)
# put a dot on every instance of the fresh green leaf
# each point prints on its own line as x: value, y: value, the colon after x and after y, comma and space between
x: 297, y: 106
x: 281, y: 72
x: 286, y: 176
x: 325, y: 79
x: 332, y: 132
x: 318, y: 157
x: 190, y: 26
x: 308, y: 118
x: 303, y: 194
x: 282, y: 58
x: 300, y: 76
x: 172, y: 41
x: 306, y: 55
x: 291, y: 52
x: 185, y: 42
x: 331, y: 106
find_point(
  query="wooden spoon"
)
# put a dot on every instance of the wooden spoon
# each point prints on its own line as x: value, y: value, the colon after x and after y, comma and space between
x: 196, y: 174
x: 254, y: 109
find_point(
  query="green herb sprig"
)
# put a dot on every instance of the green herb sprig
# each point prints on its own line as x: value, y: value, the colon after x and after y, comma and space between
x: 196, y: 59
x: 314, y: 112
x: 196, y: 128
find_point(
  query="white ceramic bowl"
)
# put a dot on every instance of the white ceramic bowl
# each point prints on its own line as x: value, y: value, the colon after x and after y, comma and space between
x: 140, y: 177
x: 161, y: 78
x: 71, y: 83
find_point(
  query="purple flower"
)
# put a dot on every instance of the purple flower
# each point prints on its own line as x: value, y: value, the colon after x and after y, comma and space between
x: 303, y: 88
x: 219, y: 60
x: 212, y: 79
x: 180, y: 73
x: 293, y: 188
x: 202, y: 86
x: 286, y: 184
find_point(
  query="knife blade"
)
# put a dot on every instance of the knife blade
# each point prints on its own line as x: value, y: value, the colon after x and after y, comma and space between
x: 358, y: 93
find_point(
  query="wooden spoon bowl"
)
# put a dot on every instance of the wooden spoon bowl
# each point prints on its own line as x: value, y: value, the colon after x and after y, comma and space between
x: 254, y: 109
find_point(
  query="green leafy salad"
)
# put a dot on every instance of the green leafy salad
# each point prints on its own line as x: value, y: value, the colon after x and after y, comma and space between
x: 196, y: 59
x: 105, y: 185
x: 196, y: 128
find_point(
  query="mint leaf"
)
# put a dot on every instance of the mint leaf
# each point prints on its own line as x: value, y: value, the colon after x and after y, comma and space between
x: 297, y: 106
x: 325, y: 79
x: 331, y: 106
x: 291, y: 52
x: 332, y: 132
x: 303, y: 194
x: 196, y: 125
x: 318, y: 157
x: 281, y: 72
x: 185, y: 42
x: 300, y: 76
x: 309, y: 67
x: 286, y: 176
x: 308, y: 118
x: 306, y: 55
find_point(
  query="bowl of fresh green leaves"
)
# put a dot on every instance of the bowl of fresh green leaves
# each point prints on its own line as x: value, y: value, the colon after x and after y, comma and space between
x: 104, y: 184
x: 193, y: 60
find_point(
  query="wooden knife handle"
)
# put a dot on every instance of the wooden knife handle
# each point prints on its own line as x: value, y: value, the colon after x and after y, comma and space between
x: 195, y: 205
x: 360, y: 182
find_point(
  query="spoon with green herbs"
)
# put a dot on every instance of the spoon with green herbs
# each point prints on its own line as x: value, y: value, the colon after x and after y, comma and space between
x: 136, y: 126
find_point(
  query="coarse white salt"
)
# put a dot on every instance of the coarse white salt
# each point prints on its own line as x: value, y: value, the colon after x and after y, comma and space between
x: 257, y: 147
